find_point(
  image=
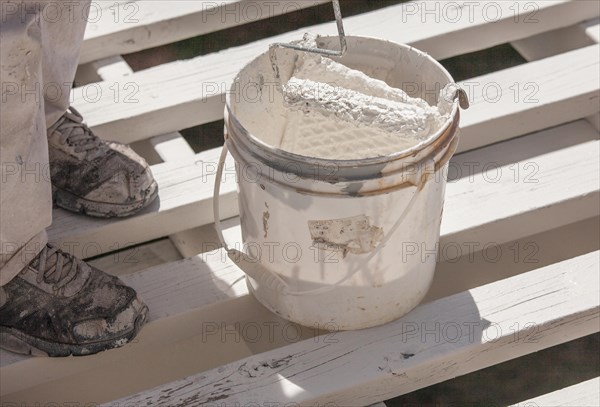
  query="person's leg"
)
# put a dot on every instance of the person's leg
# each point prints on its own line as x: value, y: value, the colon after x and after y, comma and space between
x: 51, y: 303
x: 63, y: 27
x: 25, y: 192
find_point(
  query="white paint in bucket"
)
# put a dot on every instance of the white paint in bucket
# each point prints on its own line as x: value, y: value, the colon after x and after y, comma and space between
x: 326, y: 240
x: 336, y: 112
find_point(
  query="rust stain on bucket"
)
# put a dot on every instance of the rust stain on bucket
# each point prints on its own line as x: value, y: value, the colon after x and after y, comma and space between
x: 347, y: 235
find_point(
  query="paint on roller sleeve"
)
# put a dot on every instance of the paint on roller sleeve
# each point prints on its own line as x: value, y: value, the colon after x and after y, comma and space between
x: 336, y: 112
x: 347, y: 235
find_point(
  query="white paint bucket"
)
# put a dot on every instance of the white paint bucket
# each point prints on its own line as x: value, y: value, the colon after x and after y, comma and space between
x: 338, y: 244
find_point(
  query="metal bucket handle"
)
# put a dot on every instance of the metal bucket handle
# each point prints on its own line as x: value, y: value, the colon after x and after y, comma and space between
x: 264, y: 276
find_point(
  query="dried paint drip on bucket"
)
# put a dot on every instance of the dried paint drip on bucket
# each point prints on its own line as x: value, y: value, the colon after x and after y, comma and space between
x: 324, y: 238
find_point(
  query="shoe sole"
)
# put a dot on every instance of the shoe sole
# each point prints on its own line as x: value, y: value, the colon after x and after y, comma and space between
x: 71, y: 202
x: 18, y: 342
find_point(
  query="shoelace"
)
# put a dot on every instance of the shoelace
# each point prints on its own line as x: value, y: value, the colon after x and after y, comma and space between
x: 73, y: 131
x: 63, y: 271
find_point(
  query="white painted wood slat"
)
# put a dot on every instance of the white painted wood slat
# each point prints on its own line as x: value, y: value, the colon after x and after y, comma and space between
x: 531, y: 97
x: 172, y: 147
x: 116, y: 28
x: 187, y: 93
x: 554, y: 42
x: 582, y: 394
x: 558, y: 41
x: 467, y: 331
x: 137, y: 258
x: 522, y: 182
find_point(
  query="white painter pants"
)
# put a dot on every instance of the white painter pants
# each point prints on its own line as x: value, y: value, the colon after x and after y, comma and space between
x: 39, y: 49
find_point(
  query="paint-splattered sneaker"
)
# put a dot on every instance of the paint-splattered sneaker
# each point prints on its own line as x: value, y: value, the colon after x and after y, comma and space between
x: 61, y: 306
x: 93, y: 176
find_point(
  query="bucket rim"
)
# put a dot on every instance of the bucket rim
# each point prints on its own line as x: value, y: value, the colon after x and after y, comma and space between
x: 345, y: 163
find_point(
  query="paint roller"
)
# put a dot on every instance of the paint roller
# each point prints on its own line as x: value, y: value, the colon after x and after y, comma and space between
x: 323, y: 88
